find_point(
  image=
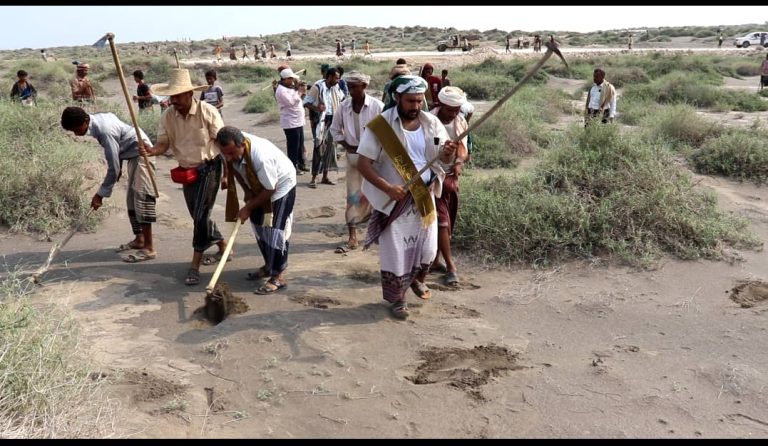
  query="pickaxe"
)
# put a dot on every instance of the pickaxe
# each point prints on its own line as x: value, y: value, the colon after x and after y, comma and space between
x: 551, y: 49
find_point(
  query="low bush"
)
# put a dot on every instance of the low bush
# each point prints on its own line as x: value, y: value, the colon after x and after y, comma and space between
x: 737, y: 153
x: 600, y: 194
x: 44, y: 172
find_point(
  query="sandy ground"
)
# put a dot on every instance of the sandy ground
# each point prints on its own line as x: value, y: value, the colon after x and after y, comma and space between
x: 579, y: 350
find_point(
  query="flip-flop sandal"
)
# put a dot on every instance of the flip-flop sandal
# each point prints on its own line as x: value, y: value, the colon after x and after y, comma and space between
x: 210, y: 259
x: 259, y: 274
x: 312, y: 185
x: 193, y: 277
x: 452, y: 279
x: 127, y: 247
x: 266, y: 289
x: 329, y: 182
x: 400, y: 310
x: 141, y: 255
x: 345, y: 248
x: 421, y: 290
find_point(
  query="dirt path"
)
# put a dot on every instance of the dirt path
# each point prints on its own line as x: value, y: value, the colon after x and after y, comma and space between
x: 580, y: 350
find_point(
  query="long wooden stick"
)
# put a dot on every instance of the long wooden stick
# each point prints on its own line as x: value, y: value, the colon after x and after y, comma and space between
x: 224, y: 257
x: 176, y: 55
x: 487, y: 115
x: 57, y: 247
x: 111, y: 38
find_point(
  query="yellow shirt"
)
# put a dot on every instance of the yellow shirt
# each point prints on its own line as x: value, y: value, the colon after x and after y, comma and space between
x: 191, y: 138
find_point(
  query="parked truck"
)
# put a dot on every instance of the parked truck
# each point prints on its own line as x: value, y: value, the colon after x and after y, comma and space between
x: 464, y: 41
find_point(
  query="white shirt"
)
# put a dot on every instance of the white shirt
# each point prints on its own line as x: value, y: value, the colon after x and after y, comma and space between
x: 291, y: 107
x: 273, y: 169
x: 594, y: 100
x: 344, y: 128
x: 415, y: 145
x: 370, y: 148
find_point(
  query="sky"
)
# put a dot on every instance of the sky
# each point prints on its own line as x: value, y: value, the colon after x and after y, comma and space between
x: 52, y: 26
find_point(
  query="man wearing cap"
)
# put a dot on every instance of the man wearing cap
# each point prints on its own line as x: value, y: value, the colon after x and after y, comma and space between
x: 347, y: 127
x: 449, y: 113
x: 404, y: 221
x: 189, y: 129
x: 81, y: 87
x: 289, y: 95
x: 329, y: 95
x: 268, y: 180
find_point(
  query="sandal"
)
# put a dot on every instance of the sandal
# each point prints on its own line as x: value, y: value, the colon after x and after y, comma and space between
x: 312, y: 184
x: 421, y: 290
x: 141, y: 255
x: 193, y: 277
x: 451, y: 279
x: 276, y: 286
x: 400, y: 310
x: 345, y: 248
x: 128, y: 246
x: 327, y: 181
x: 259, y: 274
x: 210, y: 259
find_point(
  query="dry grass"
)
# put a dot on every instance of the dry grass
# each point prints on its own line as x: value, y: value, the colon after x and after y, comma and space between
x: 47, y: 389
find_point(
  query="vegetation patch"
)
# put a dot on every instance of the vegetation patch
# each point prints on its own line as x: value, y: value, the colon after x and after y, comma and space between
x: 600, y: 193
x: 46, y: 389
x: 44, y: 172
x: 737, y: 153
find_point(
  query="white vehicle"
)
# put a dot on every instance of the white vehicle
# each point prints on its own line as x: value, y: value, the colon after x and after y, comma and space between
x: 752, y: 38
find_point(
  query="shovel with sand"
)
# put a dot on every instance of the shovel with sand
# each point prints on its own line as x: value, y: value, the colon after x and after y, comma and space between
x: 216, y: 297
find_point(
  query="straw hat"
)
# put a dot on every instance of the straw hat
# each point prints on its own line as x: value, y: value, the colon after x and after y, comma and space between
x: 179, y: 83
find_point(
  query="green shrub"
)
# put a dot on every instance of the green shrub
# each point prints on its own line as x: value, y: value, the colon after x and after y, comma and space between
x: 518, y: 127
x: 741, y: 154
x: 633, y: 112
x: 43, y: 171
x: 697, y: 90
x: 600, y: 193
x: 679, y: 125
x: 260, y: 102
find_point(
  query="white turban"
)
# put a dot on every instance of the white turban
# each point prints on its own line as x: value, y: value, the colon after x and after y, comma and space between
x: 452, y: 96
x: 356, y: 77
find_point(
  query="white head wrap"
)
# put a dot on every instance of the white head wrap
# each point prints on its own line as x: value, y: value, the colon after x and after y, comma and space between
x: 452, y: 96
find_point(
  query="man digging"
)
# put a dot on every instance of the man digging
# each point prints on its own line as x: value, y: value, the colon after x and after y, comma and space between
x: 119, y: 142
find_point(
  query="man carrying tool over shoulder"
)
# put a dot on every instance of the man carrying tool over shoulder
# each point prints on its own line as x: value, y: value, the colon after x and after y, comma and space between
x: 394, y: 147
